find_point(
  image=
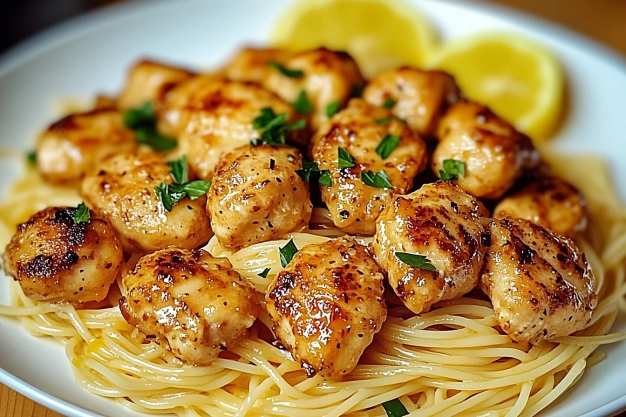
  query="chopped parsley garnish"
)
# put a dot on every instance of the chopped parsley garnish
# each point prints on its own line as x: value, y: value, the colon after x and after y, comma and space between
x: 395, y: 408
x: 357, y: 90
x: 82, y: 214
x: 264, y: 273
x: 325, y: 178
x: 143, y: 121
x: 171, y: 194
x: 302, y: 104
x: 414, y: 259
x: 378, y: 179
x: 383, y: 121
x: 310, y: 170
x: 291, y: 73
x: 31, y: 158
x: 345, y: 160
x: 274, y: 127
x: 387, y: 145
x: 452, y: 169
x: 333, y: 108
x: 389, y: 103
x: 287, y: 253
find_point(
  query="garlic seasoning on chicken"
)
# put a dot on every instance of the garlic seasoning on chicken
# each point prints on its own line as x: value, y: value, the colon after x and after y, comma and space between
x: 327, y: 305
x: 195, y: 305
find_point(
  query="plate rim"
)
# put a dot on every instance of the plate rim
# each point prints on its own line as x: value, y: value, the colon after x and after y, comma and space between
x: 74, y: 27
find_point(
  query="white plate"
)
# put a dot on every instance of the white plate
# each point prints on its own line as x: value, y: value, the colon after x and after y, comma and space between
x: 90, y: 54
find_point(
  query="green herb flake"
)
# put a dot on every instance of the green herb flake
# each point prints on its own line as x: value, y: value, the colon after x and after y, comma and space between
x: 196, y: 189
x: 291, y: 73
x: 345, y: 160
x: 333, y: 108
x: 179, y: 169
x: 383, y: 121
x: 325, y: 179
x: 395, y: 408
x: 416, y: 260
x: 31, y: 158
x: 452, y: 169
x: 387, y: 145
x: 310, y: 170
x: 389, y: 103
x: 287, y: 253
x: 143, y: 121
x: 376, y: 179
x: 357, y: 90
x: 273, y: 127
x: 140, y: 116
x: 264, y: 273
x: 171, y: 194
x: 82, y: 214
x: 302, y: 104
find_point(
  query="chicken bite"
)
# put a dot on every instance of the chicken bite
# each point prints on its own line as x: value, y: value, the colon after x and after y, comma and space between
x: 548, y: 202
x: 494, y: 153
x: 440, y: 225
x: 419, y: 97
x: 539, y: 283
x: 326, y: 77
x: 360, y: 129
x: 327, y: 305
x: 71, y: 147
x: 148, y: 81
x: 257, y: 196
x: 122, y: 190
x: 212, y: 116
x: 194, y: 304
x: 253, y: 64
x: 56, y: 258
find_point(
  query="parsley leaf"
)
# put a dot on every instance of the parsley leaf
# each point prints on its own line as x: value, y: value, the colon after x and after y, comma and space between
x: 287, y: 253
x: 333, y: 108
x: 82, y: 214
x: 395, y: 408
x: 171, y: 194
x: 414, y: 259
x: 143, y: 121
x: 291, y: 73
x: 389, y: 103
x: 302, y: 104
x: 325, y: 179
x: 383, y: 121
x: 387, y: 145
x: 309, y: 170
x: 31, y: 158
x: 196, y: 189
x: 265, y: 272
x: 179, y: 169
x: 376, y: 179
x: 452, y: 169
x: 345, y: 160
x: 274, y: 127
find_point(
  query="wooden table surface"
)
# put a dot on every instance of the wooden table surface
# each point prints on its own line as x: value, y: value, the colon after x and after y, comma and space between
x: 603, y: 20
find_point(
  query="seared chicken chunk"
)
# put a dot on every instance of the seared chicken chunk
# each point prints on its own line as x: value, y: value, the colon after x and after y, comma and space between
x: 55, y: 258
x: 327, y: 77
x: 253, y: 64
x: 441, y: 223
x: 549, y: 202
x: 327, y: 305
x: 195, y: 305
x: 148, y: 82
x: 256, y: 195
x: 70, y: 148
x: 360, y: 128
x: 540, y: 284
x: 212, y: 116
x: 416, y: 96
x: 122, y: 190
x: 494, y: 153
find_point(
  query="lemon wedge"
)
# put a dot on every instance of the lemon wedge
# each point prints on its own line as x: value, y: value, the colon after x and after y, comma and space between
x: 520, y: 80
x: 379, y: 34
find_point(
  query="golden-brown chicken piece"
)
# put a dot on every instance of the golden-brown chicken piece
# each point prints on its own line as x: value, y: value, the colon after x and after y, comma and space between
x: 360, y: 128
x: 194, y: 304
x: 549, y: 202
x: 212, y: 116
x: 327, y: 305
x: 71, y: 147
x: 327, y: 77
x: 122, y: 190
x: 148, y: 81
x: 256, y: 195
x: 540, y: 284
x: 419, y: 97
x: 494, y: 153
x: 252, y: 64
x: 55, y: 258
x: 440, y: 227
